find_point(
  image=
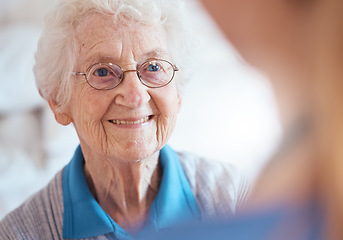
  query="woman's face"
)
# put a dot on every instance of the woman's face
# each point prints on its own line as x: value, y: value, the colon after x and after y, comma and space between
x: 95, y: 113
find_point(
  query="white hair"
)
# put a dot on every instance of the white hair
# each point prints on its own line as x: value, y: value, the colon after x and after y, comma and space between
x: 57, y: 51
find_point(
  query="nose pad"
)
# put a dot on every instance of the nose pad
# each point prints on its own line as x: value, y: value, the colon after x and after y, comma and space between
x: 121, y: 76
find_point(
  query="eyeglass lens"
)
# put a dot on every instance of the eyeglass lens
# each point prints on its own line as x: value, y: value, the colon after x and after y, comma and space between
x: 152, y: 73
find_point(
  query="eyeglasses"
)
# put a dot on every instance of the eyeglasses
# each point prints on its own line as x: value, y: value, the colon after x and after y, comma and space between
x: 153, y: 73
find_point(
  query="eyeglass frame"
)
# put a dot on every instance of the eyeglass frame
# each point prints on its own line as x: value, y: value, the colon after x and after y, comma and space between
x: 175, y: 69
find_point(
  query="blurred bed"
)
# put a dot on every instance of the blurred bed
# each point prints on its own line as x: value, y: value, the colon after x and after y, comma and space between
x: 228, y: 110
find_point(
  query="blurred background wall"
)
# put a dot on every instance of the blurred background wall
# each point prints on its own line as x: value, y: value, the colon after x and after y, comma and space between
x: 228, y: 111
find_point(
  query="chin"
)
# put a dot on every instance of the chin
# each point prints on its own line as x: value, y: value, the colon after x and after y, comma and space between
x: 134, y: 152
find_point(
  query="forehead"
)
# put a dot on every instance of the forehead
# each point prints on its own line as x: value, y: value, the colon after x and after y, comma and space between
x: 99, y: 36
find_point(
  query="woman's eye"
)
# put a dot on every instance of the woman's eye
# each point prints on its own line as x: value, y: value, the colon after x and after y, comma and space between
x: 154, y: 67
x: 102, y: 72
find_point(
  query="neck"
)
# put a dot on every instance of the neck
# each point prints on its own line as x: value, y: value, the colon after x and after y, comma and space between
x: 125, y: 190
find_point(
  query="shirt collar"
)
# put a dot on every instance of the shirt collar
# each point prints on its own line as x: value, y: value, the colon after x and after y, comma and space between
x: 83, y: 217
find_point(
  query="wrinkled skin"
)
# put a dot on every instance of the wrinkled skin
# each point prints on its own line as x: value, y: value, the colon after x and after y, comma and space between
x: 90, y: 110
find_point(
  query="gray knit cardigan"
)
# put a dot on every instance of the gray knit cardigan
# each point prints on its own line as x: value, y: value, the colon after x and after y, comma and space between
x: 218, y: 187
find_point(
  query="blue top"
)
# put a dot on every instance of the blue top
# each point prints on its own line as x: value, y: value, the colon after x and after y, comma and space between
x: 83, y: 217
x: 304, y: 222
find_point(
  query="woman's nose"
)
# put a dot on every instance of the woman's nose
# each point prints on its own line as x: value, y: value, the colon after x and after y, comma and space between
x: 131, y: 92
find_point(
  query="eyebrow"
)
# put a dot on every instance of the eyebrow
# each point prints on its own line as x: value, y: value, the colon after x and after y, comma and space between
x: 101, y: 58
x: 155, y: 53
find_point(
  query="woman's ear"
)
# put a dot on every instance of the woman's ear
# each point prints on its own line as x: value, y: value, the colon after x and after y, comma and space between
x: 62, y: 117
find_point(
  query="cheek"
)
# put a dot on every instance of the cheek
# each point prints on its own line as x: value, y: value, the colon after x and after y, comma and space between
x: 87, y: 105
x: 167, y: 101
x: 87, y: 111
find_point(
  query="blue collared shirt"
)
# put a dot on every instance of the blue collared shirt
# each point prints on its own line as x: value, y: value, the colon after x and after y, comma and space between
x: 83, y: 217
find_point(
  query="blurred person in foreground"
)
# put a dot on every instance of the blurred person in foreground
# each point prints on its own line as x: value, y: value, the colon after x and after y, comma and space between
x: 115, y: 70
x: 299, y: 46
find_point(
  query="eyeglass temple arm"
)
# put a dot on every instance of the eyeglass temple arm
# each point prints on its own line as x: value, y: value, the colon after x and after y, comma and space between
x: 78, y: 73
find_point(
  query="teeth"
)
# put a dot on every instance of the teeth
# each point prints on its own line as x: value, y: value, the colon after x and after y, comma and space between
x: 143, y: 120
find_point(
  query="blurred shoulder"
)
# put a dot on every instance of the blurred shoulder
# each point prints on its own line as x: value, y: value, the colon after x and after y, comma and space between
x: 39, y: 217
x: 220, y: 188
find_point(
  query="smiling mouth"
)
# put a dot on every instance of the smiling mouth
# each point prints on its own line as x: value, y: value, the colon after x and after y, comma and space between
x: 123, y: 122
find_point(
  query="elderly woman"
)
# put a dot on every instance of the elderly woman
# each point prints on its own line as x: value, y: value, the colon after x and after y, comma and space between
x: 111, y: 68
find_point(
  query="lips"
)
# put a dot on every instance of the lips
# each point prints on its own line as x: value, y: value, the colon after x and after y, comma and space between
x: 136, y: 122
